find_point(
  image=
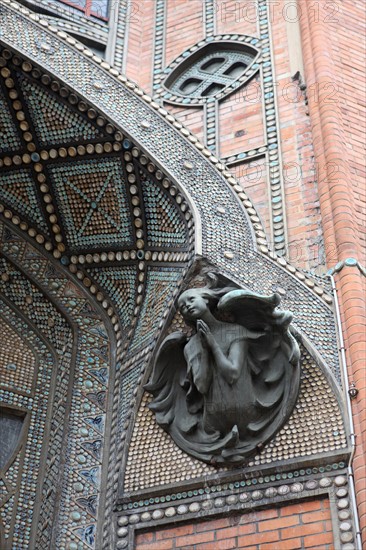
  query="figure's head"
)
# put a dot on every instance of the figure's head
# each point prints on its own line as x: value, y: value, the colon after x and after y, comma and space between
x: 193, y: 303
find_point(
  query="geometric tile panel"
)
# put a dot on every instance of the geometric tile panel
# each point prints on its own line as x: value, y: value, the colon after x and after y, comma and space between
x: 120, y: 285
x: 160, y: 282
x: 54, y: 122
x: 17, y: 190
x: 165, y: 225
x: 92, y: 197
x: 9, y: 139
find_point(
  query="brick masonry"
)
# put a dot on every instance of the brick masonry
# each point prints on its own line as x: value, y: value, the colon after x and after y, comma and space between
x: 305, y: 525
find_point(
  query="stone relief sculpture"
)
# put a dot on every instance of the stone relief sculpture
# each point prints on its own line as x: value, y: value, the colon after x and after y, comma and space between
x: 225, y: 391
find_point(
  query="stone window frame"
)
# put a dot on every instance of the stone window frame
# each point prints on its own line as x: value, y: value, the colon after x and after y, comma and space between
x: 233, y: 48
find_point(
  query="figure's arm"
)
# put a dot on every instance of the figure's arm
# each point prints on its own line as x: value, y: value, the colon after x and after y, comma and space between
x: 230, y: 367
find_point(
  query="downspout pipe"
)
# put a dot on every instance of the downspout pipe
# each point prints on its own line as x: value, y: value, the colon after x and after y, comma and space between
x: 349, y: 414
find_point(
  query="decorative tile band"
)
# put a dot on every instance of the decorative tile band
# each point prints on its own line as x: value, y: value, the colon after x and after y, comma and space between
x: 278, y: 207
x: 89, y: 31
x: 159, y: 43
x: 260, y: 481
x: 121, y: 34
x: 231, y: 498
x: 70, y: 15
x: 210, y: 7
x: 211, y: 123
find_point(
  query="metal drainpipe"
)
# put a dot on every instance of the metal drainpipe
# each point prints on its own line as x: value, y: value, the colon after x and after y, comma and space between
x: 349, y: 412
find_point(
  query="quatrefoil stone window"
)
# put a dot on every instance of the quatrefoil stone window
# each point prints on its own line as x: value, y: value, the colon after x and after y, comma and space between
x: 213, y: 71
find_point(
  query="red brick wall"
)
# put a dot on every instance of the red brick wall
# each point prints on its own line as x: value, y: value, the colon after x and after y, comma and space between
x: 299, y: 168
x: 184, y: 26
x: 241, y: 120
x: 347, y: 27
x: 333, y: 55
x: 139, y: 59
x: 297, y: 526
x: 252, y: 176
x: 236, y: 16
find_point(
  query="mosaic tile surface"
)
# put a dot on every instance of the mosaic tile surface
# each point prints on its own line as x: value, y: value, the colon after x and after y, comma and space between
x: 83, y: 433
x: 159, y: 283
x: 18, y: 191
x: 54, y: 122
x: 128, y: 385
x: 165, y: 225
x: 93, y: 201
x: 9, y: 138
x: 36, y: 407
x: 120, y: 284
x: 17, y: 362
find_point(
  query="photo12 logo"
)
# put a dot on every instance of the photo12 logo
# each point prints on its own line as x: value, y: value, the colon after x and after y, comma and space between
x: 249, y: 11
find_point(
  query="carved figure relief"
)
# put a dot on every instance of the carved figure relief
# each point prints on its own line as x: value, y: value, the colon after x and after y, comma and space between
x: 223, y: 393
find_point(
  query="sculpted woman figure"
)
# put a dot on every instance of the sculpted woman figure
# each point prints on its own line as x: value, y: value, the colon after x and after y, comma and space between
x: 225, y: 391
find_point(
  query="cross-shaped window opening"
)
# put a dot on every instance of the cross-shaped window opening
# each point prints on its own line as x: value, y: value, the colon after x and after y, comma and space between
x: 212, y: 72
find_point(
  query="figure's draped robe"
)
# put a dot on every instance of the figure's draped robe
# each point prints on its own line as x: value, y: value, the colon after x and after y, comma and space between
x: 225, y: 404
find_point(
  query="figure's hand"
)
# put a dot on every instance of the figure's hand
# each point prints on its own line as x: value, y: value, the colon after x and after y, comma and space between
x: 205, y: 334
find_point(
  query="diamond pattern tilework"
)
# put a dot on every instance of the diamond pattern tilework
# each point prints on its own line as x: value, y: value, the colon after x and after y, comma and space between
x: 9, y: 138
x: 54, y: 122
x: 165, y: 226
x: 17, y: 190
x: 92, y: 197
x: 120, y: 285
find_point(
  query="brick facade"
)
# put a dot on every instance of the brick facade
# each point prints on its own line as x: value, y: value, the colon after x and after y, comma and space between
x: 329, y: 67
x: 313, y: 130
